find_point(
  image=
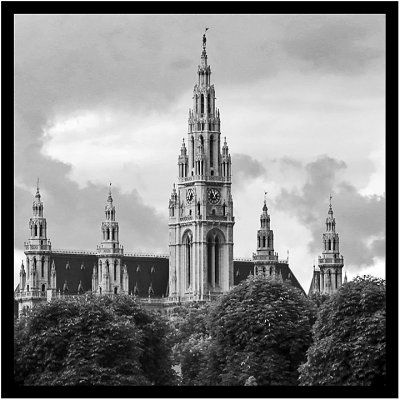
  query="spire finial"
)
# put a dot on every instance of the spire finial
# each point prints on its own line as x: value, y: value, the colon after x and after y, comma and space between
x: 37, y: 188
x: 265, y: 197
x: 330, y: 200
x: 109, y: 193
x: 205, y: 39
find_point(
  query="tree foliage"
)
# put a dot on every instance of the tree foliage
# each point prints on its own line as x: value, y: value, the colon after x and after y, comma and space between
x: 257, y: 334
x: 191, y: 341
x: 92, y: 340
x: 349, y: 337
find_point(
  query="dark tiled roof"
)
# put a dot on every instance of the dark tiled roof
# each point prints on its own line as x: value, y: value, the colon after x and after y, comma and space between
x: 142, y: 271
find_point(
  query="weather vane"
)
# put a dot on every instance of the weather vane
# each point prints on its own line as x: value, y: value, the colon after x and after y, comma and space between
x: 204, y: 38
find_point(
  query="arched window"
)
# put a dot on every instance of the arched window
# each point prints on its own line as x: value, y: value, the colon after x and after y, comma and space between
x: 40, y: 230
x: 116, y: 290
x: 112, y: 234
x: 211, y: 151
x: 115, y: 270
x: 43, y: 287
x: 188, y: 248
x: 329, y: 244
x: 197, y: 99
x: 201, y: 140
x: 192, y: 153
x: 209, y: 103
x: 100, y: 270
x: 27, y: 288
x: 202, y: 104
x: 270, y: 270
x: 35, y: 230
x: 334, y: 244
x: 263, y: 241
x: 42, y: 267
x: 259, y: 241
x: 108, y: 233
x: 209, y: 255
x: 269, y: 241
x: 217, y: 249
x: 34, y: 262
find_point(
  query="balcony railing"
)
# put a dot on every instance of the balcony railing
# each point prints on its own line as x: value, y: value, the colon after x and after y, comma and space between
x: 205, y: 178
x: 29, y: 247
x: 30, y: 294
x: 105, y: 250
x: 337, y: 260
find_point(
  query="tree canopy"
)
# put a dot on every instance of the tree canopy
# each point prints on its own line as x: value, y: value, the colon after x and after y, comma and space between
x: 92, y: 340
x: 256, y: 334
x: 349, y: 337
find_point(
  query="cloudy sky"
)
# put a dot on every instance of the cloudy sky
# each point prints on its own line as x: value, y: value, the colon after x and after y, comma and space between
x: 105, y: 98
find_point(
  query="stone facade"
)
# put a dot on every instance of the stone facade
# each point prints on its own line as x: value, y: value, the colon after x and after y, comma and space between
x: 266, y: 260
x: 327, y: 276
x: 201, y: 208
x: 200, y: 264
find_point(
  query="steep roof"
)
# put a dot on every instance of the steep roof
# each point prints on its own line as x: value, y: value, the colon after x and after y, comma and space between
x: 76, y: 266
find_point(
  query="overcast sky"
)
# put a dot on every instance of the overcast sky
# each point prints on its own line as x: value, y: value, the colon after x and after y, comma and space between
x: 105, y: 98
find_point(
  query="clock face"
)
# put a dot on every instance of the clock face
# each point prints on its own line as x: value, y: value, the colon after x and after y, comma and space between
x: 189, y: 195
x: 214, y: 196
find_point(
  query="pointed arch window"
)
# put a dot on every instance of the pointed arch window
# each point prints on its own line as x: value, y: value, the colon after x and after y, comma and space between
x: 209, y: 255
x: 269, y: 241
x: 217, y: 251
x: 202, y: 104
x: 329, y: 244
x: 108, y: 233
x: 112, y: 234
x: 188, y: 250
x: 42, y: 267
x: 211, y: 151
x: 115, y: 270
x: 40, y: 230
x: 209, y: 103
x: 192, y: 152
x: 264, y: 241
x: 35, y: 230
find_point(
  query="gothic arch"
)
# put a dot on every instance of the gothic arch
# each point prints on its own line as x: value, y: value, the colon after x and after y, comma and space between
x: 211, y: 151
x: 215, y: 240
x: 42, y: 268
x: 187, y: 240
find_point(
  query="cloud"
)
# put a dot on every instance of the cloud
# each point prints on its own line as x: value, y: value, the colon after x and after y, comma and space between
x: 245, y: 168
x: 360, y: 220
x: 74, y: 217
x: 338, y: 44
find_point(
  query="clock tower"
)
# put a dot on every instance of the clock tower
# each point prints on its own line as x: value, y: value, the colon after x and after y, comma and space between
x: 201, y: 207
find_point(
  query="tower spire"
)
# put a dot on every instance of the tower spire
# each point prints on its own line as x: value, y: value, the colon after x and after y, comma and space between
x: 330, y: 211
x: 109, y: 194
x: 37, y: 189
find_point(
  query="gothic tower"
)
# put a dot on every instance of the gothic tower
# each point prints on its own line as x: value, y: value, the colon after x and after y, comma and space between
x: 201, y: 207
x: 109, y: 275
x: 36, y: 280
x: 327, y: 277
x: 266, y: 261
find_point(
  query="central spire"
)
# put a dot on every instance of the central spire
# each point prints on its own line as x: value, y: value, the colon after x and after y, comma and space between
x: 204, y: 52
